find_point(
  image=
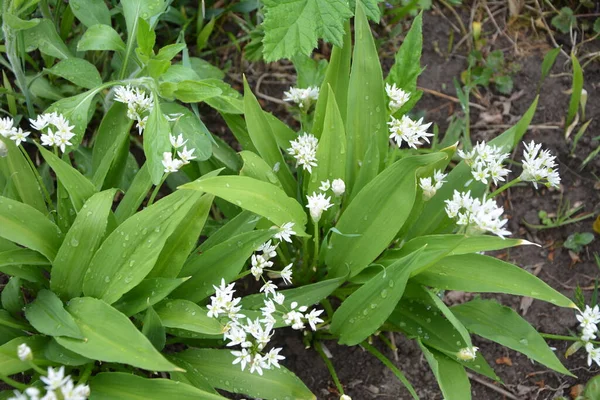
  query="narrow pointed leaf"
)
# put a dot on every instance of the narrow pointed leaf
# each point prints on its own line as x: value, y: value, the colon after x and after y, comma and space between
x: 451, y: 376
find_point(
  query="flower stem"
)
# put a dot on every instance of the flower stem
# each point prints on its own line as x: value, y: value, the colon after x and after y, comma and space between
x: 87, y: 372
x: 504, y: 187
x: 565, y: 338
x: 330, y: 367
x: 37, y: 369
x: 18, y: 385
x: 386, y: 361
x: 316, y: 238
x: 156, y: 189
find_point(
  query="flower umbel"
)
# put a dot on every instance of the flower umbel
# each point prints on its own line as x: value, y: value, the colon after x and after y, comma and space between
x: 398, y: 97
x: 475, y: 215
x: 304, y: 98
x: 317, y: 203
x: 539, y: 166
x: 409, y: 131
x: 304, y: 150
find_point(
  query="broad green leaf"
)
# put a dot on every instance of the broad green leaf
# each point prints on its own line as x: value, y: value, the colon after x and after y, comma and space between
x: 195, y: 91
x: 10, y: 363
x: 264, y: 141
x: 365, y: 310
x: 147, y: 293
x: 146, y: 39
x: 130, y: 252
x: 133, y: 10
x: 60, y: 355
x: 216, y: 366
x: 238, y: 127
x: 241, y: 223
x: 119, y: 385
x: 331, y: 148
x: 22, y: 256
x: 576, y: 89
x: 183, y: 240
x: 76, y: 110
x: 9, y: 321
x: 260, y: 197
x: 229, y: 101
x: 12, y: 296
x: 48, y: 316
x: 91, y: 12
x: 222, y: 261
x: 592, y: 388
x: 156, y: 141
x: 256, y: 168
x: 283, y: 133
x: 100, y: 37
x: 376, y: 216
x: 484, y: 274
x: 184, y: 314
x: 80, y: 245
x: 78, y: 71
x: 503, y: 325
x: 192, y: 129
x: 451, y: 376
x: 309, y: 72
x: 135, y: 195
x: 78, y: 186
x: 443, y: 308
x: 111, y: 337
x: 16, y: 169
x: 27, y: 272
x: 366, y: 115
x: 28, y: 227
x: 44, y: 37
x: 153, y: 329
x: 191, y: 377
x: 17, y: 24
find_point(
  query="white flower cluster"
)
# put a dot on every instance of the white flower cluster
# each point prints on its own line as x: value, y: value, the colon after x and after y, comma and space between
x: 254, y: 335
x: 317, y: 204
x: 8, y: 130
x: 171, y: 163
x: 138, y: 104
x: 431, y: 185
x: 304, y: 150
x: 398, y: 97
x: 539, y: 166
x: 409, y: 131
x: 588, y: 322
x: 304, y: 98
x: 475, y: 215
x: 337, y: 186
x: 58, y: 132
x: 467, y: 353
x: 56, y: 384
x: 486, y: 162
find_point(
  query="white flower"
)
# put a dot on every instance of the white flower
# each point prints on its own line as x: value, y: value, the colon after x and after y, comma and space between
x: 50, y: 395
x: 243, y: 357
x: 259, y: 263
x: 55, y: 378
x: 409, y: 131
x: 268, y: 251
x: 268, y: 288
x: 237, y: 336
x: 539, y: 166
x: 18, y: 396
x: 285, y: 232
x: 313, y: 318
x: 62, y: 140
x: 171, y: 164
x: 325, y: 185
x: 136, y: 99
x: 72, y: 392
x: 41, y: 122
x: 593, y: 354
x: 338, y: 187
x: 186, y: 155
x: 345, y: 397
x: 317, y: 203
x: 588, y: 322
x: 476, y: 215
x: 7, y: 126
x: 286, y: 274
x: 33, y: 393
x: 467, y: 353
x: 398, y: 97
x: 141, y: 124
x: 24, y: 352
x: 272, y: 358
x: 294, y: 317
x: 279, y: 298
x: 48, y: 139
x: 303, y: 97
x: 431, y: 187
x: 177, y: 141
x: 257, y: 364
x: 304, y: 150
x: 3, y: 149
x: 19, y: 136
x: 486, y: 163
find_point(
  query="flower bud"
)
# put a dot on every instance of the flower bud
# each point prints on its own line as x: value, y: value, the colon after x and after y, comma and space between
x: 339, y: 187
x: 24, y: 352
x: 345, y: 397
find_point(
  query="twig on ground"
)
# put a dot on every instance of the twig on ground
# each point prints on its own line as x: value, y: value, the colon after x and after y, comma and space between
x: 503, y: 392
x: 448, y: 97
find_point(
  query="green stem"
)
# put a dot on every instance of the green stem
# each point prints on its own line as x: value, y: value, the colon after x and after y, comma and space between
x: 386, y: 361
x: 565, y: 338
x: 316, y: 238
x: 504, y: 187
x: 37, y: 369
x: 328, y: 308
x: 156, y: 189
x: 87, y: 372
x: 18, y: 385
x: 330, y: 367
x: 242, y: 274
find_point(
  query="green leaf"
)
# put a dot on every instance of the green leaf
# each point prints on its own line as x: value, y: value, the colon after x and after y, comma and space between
x: 216, y: 365
x: 365, y: 310
x: 564, y: 20
x: 48, y: 316
x: 484, y: 274
x: 119, y: 385
x: 183, y: 240
x: 78, y: 186
x: 111, y: 273
x: 451, y: 376
x: 156, y: 141
x: 195, y: 91
x: 548, y: 62
x: 371, y: 8
x: 100, y: 37
x: 22, y: 256
x: 76, y: 110
x: 78, y: 71
x: 264, y: 141
x: 367, y: 116
x: 204, y: 34
x: 135, y: 195
x: 331, y: 148
x: 309, y: 72
x: 592, y: 388
x: 257, y: 168
x: 260, y: 197
x: 154, y: 330
x: 192, y: 129
x: 374, y: 215
x: 91, y: 12
x: 16, y: 168
x: 133, y: 10
x: 17, y: 24
x: 28, y: 227
x: 12, y: 297
x: 504, y: 84
x: 10, y: 363
x: 44, y: 37
x: 80, y: 245
x: 500, y: 324
x: 111, y: 337
x: 222, y: 261
x: 183, y: 314
x: 294, y: 26
x: 60, y: 355
x: 146, y: 39
x: 241, y: 223
x: 147, y: 293
x: 576, y: 89
x: 9, y: 321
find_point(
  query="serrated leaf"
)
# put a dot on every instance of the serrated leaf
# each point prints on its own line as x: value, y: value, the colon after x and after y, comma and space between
x: 78, y: 71
x: 47, y: 314
x: 100, y: 37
